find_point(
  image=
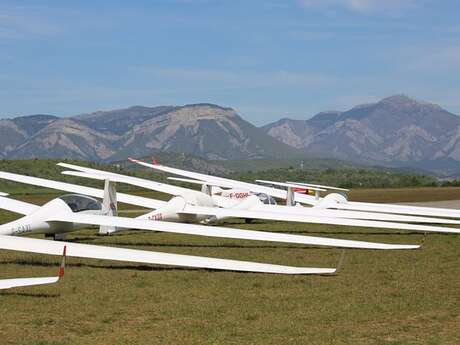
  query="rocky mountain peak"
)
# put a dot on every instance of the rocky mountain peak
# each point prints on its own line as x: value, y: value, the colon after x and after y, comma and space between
x: 398, y: 99
x: 325, y: 118
x: 396, y: 130
x: 405, y: 103
x: 205, y: 130
x: 207, y: 105
x: 202, y: 111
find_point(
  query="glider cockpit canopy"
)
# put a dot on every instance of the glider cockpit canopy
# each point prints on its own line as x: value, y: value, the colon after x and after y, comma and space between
x: 80, y: 203
x: 266, y: 199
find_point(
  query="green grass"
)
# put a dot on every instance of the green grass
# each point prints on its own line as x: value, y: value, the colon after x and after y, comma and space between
x: 402, y: 297
x: 343, y: 176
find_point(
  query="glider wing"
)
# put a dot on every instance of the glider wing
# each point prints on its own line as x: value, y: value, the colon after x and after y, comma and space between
x: 220, y: 232
x: 33, y: 245
x: 220, y: 212
x: 73, y: 188
x: 17, y: 206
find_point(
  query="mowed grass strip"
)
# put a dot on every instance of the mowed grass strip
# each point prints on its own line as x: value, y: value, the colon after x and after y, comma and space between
x: 398, y: 297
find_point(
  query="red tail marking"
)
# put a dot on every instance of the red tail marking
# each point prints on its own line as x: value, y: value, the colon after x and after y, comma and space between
x: 301, y: 190
x: 62, y: 267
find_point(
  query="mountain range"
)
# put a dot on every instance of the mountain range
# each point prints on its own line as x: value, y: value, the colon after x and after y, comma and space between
x: 396, y: 131
x: 204, y: 130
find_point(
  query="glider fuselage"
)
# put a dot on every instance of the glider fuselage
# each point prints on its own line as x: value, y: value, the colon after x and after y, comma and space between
x: 171, y: 212
x: 38, y: 221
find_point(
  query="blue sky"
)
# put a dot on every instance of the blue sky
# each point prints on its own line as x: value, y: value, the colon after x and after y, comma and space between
x: 267, y: 59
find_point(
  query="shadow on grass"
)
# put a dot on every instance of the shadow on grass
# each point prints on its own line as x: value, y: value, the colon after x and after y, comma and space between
x: 386, y: 233
x: 199, y: 245
x: 129, y: 268
x: 87, y: 240
x: 29, y: 294
x: 123, y: 267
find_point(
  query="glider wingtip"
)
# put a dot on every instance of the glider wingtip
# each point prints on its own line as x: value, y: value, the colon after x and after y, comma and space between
x: 324, y: 271
x: 402, y: 247
x: 331, y: 271
x: 314, y: 271
x: 411, y: 247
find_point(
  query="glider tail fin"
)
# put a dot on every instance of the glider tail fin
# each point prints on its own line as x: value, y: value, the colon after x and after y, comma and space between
x: 206, y: 189
x: 110, y: 206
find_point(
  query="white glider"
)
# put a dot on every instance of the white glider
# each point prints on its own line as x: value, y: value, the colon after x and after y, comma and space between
x: 60, y: 216
x: 317, y: 211
x: 228, y: 183
x: 197, y: 203
x: 331, y: 201
x: 72, y: 212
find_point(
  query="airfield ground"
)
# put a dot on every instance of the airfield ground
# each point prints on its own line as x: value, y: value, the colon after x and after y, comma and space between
x: 403, y: 297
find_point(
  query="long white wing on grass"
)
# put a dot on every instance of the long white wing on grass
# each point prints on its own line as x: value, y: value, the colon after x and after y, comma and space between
x: 322, y: 212
x: 229, y: 183
x: 20, y: 282
x: 221, y: 232
x: 220, y: 212
x: 32, y: 245
x: 399, y: 209
x: 17, y: 206
x: 73, y: 188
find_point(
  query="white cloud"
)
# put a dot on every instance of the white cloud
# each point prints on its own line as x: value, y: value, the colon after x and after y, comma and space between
x: 361, y: 6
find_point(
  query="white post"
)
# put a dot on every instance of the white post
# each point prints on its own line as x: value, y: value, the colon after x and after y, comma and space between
x: 290, y: 197
x: 110, y: 206
x: 317, y: 195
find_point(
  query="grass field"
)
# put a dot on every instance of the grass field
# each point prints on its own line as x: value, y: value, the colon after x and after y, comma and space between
x: 402, y: 297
